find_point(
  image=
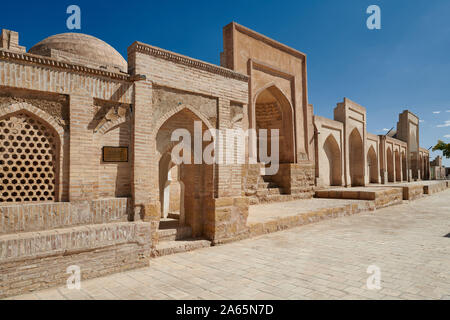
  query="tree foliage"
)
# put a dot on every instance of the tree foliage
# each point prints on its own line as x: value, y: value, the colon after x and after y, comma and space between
x: 444, y: 147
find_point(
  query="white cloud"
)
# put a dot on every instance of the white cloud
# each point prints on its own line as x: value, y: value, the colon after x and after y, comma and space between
x: 385, y: 129
x: 447, y: 111
x: 421, y: 120
x: 436, y: 112
x: 446, y: 124
x: 447, y: 136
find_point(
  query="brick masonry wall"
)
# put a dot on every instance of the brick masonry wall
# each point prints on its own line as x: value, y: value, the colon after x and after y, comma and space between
x: 142, y: 147
x: 114, y: 179
x: 47, y: 216
x: 435, y: 187
x: 33, y: 261
x: 230, y: 219
x: 20, y: 74
x: 297, y: 179
x: 83, y: 151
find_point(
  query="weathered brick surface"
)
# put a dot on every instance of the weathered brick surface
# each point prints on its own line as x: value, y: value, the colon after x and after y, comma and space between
x: 435, y: 187
x: 32, y: 261
x: 230, y: 222
x: 413, y: 192
x: 45, y: 74
x: 46, y: 216
x: 297, y: 179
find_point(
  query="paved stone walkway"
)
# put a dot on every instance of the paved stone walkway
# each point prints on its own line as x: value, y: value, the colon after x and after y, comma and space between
x: 328, y: 260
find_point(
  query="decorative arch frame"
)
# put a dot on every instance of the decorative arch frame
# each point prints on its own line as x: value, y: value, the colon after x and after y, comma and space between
x: 111, y: 125
x: 173, y: 112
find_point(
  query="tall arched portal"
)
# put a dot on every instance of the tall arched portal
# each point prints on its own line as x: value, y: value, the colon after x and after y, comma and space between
x: 372, y: 164
x: 404, y: 168
x: 188, y: 183
x: 273, y: 111
x: 390, y: 165
x: 332, y: 171
x: 356, y: 155
x: 398, y: 171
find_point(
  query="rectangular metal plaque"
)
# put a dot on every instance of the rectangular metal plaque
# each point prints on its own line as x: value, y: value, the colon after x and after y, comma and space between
x: 115, y: 154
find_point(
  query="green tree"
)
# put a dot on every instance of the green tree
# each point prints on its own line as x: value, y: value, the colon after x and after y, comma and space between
x: 444, y: 147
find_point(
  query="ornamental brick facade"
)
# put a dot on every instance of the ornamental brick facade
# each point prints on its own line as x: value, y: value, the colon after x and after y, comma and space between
x: 70, y: 97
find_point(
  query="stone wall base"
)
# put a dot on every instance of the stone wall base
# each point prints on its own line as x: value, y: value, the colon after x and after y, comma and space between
x: 412, y: 192
x: 297, y: 178
x: 230, y: 220
x: 38, y: 260
x: 435, y: 187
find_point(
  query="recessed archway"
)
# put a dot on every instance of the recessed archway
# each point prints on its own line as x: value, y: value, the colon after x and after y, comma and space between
x: 372, y: 164
x: 332, y: 170
x: 398, y: 171
x: 356, y: 155
x: 390, y: 165
x: 404, y: 169
x: 274, y: 111
x: 187, y: 187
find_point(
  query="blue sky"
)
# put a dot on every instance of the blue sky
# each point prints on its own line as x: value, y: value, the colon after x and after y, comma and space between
x: 405, y: 65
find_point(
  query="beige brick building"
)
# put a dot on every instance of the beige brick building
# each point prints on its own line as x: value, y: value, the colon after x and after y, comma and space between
x: 86, y: 172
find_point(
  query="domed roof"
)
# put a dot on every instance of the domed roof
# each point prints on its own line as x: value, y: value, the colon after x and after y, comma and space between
x: 84, y: 46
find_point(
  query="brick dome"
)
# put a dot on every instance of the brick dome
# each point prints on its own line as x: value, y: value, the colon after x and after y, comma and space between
x: 83, y: 46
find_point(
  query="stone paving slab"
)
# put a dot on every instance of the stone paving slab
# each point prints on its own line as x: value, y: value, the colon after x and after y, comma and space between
x: 325, y: 260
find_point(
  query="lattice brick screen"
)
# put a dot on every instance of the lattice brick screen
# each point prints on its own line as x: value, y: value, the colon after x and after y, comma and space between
x: 27, y: 159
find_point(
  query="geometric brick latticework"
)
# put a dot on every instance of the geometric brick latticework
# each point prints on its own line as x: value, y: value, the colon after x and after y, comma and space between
x: 28, y: 151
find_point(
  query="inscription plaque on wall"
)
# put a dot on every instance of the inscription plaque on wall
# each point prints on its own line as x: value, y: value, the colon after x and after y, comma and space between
x: 115, y: 154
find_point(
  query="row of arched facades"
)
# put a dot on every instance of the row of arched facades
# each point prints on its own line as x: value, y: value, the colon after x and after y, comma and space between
x: 347, y: 155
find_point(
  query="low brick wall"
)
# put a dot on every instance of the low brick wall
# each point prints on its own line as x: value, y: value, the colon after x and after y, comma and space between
x: 388, y: 197
x: 412, y: 192
x: 37, y: 260
x: 283, y: 223
x: 435, y: 187
x: 45, y: 216
x: 381, y: 198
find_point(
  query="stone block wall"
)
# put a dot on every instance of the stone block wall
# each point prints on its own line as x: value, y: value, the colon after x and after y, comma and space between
x: 297, y: 179
x: 230, y: 219
x: 38, y: 260
x: 39, y: 241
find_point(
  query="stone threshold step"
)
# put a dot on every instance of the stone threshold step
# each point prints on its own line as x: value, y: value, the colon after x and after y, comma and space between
x: 172, y: 247
x: 174, y: 233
